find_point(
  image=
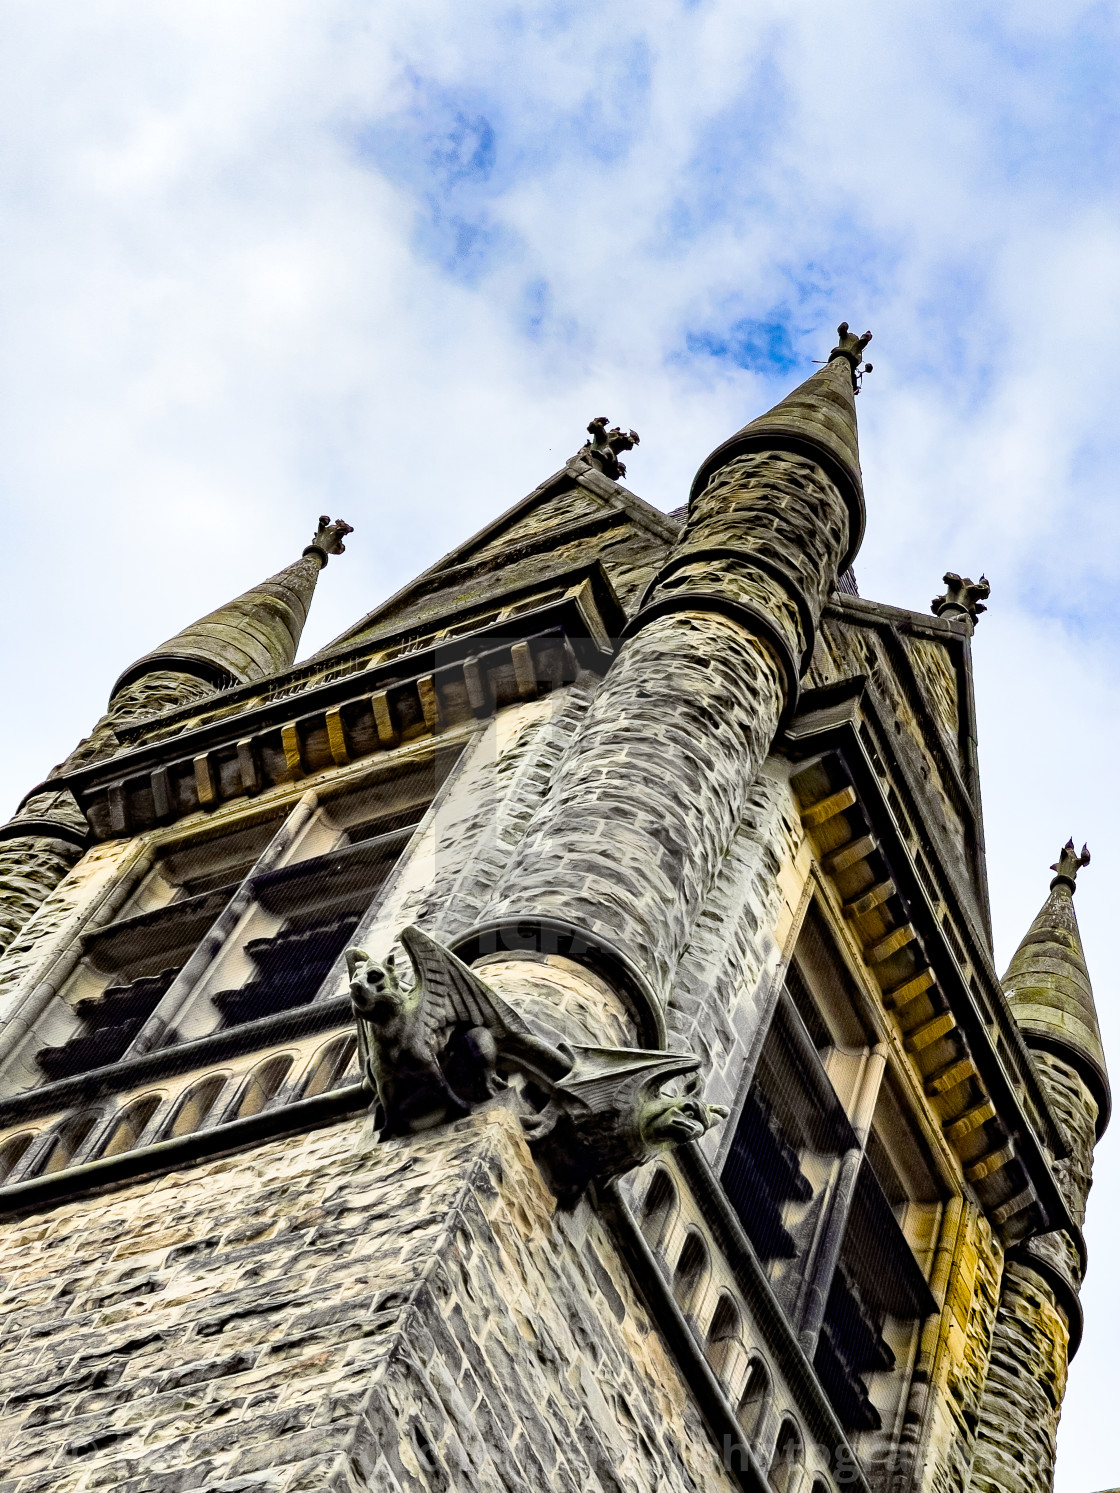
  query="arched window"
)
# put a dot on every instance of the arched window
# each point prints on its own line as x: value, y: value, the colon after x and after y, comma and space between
x: 263, y: 1085
x: 691, y: 1272
x: 788, y: 1458
x: 329, y: 1066
x: 196, y: 1105
x: 725, y: 1350
x: 131, y: 1125
x: 68, y: 1140
x: 658, y: 1208
x: 12, y: 1153
x: 754, y: 1400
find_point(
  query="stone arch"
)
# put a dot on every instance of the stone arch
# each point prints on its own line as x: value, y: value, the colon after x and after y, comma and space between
x: 788, y: 1459
x: 12, y: 1153
x: 130, y: 1124
x: 691, y: 1272
x: 724, y: 1345
x: 328, y: 1066
x: 263, y: 1085
x: 196, y: 1104
x: 65, y: 1143
x: 659, y: 1208
x: 754, y: 1400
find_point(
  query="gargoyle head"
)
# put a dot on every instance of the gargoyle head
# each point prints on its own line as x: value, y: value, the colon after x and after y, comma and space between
x: 375, y: 990
x: 671, y: 1120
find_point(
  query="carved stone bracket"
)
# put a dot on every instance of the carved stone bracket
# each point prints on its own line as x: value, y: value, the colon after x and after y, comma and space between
x: 434, y: 1050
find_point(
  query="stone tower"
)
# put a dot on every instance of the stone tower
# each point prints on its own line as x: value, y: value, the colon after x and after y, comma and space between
x: 549, y: 1038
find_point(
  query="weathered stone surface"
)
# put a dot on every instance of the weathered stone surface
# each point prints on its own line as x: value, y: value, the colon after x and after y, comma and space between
x: 1026, y: 1384
x: 643, y: 806
x: 320, y: 1314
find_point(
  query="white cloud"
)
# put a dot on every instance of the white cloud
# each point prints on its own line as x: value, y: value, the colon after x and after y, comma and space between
x: 230, y: 300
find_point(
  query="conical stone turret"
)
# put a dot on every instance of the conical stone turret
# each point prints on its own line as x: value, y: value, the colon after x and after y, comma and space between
x: 248, y: 639
x: 253, y: 636
x: 1047, y: 985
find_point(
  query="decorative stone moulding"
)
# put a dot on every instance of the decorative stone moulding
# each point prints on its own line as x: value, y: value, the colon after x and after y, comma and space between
x: 906, y: 960
x: 445, y: 683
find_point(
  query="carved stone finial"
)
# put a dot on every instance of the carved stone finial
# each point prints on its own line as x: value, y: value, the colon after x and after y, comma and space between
x: 850, y: 348
x: 328, y: 538
x: 1068, y: 864
x: 963, y: 597
x: 603, y: 447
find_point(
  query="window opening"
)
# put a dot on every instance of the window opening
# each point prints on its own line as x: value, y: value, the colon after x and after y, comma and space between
x: 877, y: 1278
x: 789, y: 1454
x: 658, y: 1207
x: 688, y: 1277
x: 302, y: 915
x: 837, y: 1224
x: 753, y: 1400
x: 723, y: 1338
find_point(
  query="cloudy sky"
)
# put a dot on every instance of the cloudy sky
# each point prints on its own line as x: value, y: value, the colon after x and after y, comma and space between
x: 264, y: 260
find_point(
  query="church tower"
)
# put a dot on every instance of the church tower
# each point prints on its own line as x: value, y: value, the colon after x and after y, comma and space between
x: 549, y: 1038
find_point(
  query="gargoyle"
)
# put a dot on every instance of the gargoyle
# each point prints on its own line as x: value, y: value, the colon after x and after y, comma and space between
x: 430, y: 1052
x: 963, y: 597
x: 603, y: 447
x: 448, y: 1042
x: 608, y: 1114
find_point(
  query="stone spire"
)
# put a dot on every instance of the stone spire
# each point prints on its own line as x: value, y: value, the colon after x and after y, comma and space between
x: 253, y: 636
x: 1047, y: 985
x: 817, y: 420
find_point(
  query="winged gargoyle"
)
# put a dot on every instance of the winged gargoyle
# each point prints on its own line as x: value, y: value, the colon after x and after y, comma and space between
x: 432, y: 1051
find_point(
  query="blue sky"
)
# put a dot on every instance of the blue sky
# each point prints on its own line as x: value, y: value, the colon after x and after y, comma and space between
x: 264, y: 260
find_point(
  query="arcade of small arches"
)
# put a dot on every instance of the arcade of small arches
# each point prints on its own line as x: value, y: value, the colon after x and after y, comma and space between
x: 163, y: 1114
x: 771, y: 1431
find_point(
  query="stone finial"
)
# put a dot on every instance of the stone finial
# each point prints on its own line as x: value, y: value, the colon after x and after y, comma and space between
x: 1068, y: 864
x: 328, y: 538
x: 604, y: 446
x: 850, y: 348
x: 963, y: 597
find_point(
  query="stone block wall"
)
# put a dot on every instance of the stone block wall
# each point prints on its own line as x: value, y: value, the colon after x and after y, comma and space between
x: 320, y: 1313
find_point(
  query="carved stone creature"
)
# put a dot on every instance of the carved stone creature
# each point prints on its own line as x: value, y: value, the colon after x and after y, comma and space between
x: 603, y: 447
x: 963, y: 597
x: 448, y: 1042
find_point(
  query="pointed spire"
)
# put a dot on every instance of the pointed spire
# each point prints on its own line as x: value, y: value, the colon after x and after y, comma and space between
x: 253, y: 636
x: 1047, y: 984
x: 818, y: 419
